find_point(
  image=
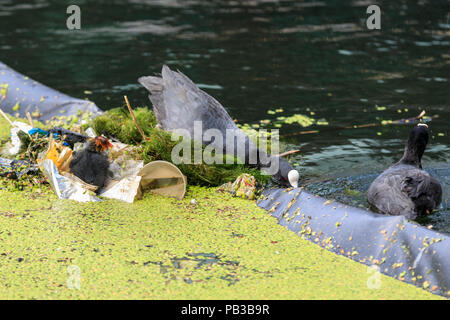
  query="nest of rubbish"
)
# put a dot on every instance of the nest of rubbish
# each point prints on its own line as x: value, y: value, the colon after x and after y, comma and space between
x: 144, y: 140
x: 117, y: 124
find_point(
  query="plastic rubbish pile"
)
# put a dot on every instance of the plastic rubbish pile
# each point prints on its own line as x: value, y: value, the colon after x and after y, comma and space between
x: 50, y: 153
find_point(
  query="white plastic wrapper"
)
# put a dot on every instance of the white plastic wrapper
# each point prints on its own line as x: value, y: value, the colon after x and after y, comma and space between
x: 123, y: 186
x: 125, y: 182
x: 15, y: 141
x: 65, y: 187
x: 90, y: 133
x: 125, y: 189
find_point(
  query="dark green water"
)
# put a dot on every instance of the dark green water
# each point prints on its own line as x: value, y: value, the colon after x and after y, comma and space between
x: 256, y: 56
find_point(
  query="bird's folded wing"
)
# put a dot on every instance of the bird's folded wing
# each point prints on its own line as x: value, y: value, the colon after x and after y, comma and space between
x: 416, y: 183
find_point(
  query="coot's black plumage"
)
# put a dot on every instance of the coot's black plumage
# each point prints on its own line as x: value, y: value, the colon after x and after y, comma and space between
x: 404, y: 188
x: 91, y: 164
x: 178, y: 103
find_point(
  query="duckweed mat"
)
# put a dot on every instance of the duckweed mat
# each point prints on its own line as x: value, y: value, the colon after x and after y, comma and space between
x: 216, y: 247
x: 391, y: 244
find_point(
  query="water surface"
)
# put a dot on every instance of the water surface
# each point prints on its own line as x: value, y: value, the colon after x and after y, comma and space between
x: 314, y: 58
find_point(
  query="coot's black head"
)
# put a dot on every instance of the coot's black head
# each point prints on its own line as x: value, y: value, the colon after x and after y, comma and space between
x: 416, y: 144
x: 286, y: 176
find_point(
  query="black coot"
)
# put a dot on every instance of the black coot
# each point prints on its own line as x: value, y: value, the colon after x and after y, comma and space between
x: 178, y: 104
x: 404, y: 188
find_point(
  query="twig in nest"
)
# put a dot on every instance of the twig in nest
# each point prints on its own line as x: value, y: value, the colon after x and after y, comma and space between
x: 6, y: 117
x: 420, y: 116
x: 30, y: 120
x: 134, y: 118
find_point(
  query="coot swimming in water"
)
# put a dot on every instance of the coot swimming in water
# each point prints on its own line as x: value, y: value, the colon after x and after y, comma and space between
x: 178, y: 104
x: 404, y: 188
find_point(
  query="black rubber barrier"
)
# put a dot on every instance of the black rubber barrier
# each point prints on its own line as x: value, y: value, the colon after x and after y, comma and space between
x: 20, y: 94
x: 398, y: 247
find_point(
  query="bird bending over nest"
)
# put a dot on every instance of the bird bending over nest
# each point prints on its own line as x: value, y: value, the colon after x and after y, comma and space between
x: 178, y: 103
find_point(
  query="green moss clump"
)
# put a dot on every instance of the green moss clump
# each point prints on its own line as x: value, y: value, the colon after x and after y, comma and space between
x: 118, y: 124
x: 162, y: 248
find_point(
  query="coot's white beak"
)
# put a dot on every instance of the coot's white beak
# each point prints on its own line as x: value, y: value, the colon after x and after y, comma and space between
x: 422, y: 125
x: 293, y: 177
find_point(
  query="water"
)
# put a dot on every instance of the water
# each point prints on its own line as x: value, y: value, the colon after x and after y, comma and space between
x: 315, y: 58
x: 352, y: 190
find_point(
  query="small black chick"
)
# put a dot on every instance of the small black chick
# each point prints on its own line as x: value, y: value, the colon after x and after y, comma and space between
x: 91, y: 164
x: 70, y: 137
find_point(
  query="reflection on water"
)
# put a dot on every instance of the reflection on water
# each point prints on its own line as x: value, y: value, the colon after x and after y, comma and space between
x: 362, y: 156
x: 314, y: 58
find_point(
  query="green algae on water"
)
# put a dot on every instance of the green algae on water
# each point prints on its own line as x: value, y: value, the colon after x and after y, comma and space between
x: 162, y: 248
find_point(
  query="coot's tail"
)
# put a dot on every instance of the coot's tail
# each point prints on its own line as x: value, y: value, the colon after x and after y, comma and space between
x: 155, y: 86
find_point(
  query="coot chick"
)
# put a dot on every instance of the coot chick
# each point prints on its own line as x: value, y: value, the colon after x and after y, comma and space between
x: 404, y: 188
x: 91, y: 164
x: 179, y: 103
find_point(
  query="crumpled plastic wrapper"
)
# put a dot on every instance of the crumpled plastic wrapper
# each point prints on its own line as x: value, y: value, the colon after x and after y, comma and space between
x: 125, y: 182
x: 15, y: 141
x: 243, y: 187
x: 90, y: 132
x: 124, y: 187
x: 64, y: 186
x: 60, y: 155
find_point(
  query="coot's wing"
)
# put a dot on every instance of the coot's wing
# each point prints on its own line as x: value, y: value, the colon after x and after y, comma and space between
x: 81, y: 166
x: 385, y: 194
x: 416, y: 183
x: 405, y: 190
x: 100, y: 166
x: 76, y: 157
x: 424, y: 191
